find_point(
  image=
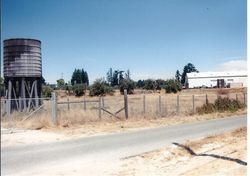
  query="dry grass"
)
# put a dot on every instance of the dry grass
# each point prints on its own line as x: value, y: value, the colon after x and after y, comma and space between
x: 166, y: 114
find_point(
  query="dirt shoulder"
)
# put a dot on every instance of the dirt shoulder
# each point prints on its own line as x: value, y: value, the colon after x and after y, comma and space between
x: 224, y: 154
x: 108, y: 127
x: 24, y: 134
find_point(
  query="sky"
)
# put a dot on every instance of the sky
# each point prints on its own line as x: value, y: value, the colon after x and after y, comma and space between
x: 151, y: 38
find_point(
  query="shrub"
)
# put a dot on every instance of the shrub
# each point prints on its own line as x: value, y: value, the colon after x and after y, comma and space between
x: 221, y: 105
x: 79, y: 89
x: 46, y: 91
x: 224, y: 104
x: 160, y: 84
x: 149, y: 84
x: 100, y: 87
x: 206, y: 109
x: 172, y: 86
x: 127, y: 84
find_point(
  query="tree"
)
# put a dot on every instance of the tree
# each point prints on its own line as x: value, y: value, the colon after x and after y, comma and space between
x: 149, y: 84
x: 187, y: 69
x: 127, y: 75
x: 127, y: 84
x: 79, y: 76
x: 46, y: 91
x: 178, y: 76
x: 172, y: 86
x: 115, y: 78
x: 159, y: 83
x: 100, y: 87
x: 120, y: 73
x: 140, y: 84
x: 110, y: 76
x: 60, y: 83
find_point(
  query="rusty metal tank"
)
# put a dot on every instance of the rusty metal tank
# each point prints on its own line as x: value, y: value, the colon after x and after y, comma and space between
x: 22, y: 58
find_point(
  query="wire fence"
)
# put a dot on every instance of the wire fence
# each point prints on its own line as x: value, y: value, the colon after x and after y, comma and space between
x: 113, y: 107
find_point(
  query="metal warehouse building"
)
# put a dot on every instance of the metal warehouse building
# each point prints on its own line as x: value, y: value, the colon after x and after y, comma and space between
x: 216, y: 79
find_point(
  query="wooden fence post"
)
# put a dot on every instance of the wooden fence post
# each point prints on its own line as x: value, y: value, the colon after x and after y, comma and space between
x: 84, y: 104
x: 54, y: 108
x: 99, y: 108
x: 103, y: 104
x: 177, y: 105
x: 160, y: 105
x: 144, y: 106
x: 206, y: 99
x: 68, y: 103
x: 193, y: 104
x: 236, y: 96
x: 126, y: 103
x: 244, y: 94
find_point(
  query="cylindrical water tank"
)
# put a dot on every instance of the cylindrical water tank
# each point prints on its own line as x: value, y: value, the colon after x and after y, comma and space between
x: 22, y: 58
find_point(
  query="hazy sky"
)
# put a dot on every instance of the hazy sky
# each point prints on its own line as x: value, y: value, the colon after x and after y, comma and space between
x: 152, y: 38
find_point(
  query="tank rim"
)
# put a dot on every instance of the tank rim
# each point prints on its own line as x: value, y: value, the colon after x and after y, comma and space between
x: 22, y: 39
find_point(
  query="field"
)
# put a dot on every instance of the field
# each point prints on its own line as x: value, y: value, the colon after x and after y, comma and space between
x: 142, y: 106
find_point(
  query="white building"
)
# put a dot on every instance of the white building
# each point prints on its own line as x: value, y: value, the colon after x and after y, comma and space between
x: 215, y: 79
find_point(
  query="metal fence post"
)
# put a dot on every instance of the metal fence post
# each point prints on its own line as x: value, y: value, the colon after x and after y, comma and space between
x: 193, y: 104
x: 160, y: 105
x: 99, y: 108
x: 54, y: 108
x: 144, y: 106
x: 177, y: 106
x: 126, y: 103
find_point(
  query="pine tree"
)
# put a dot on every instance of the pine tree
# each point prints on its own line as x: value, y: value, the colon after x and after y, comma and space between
x: 178, y: 76
x: 187, y: 69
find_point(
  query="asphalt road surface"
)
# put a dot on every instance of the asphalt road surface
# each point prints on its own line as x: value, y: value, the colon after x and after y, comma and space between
x: 97, y: 153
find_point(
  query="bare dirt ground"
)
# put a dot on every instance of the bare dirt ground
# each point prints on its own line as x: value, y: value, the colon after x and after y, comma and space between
x: 32, y: 132
x: 223, y: 155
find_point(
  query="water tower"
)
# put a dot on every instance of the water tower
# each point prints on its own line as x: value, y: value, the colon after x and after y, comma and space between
x: 22, y: 73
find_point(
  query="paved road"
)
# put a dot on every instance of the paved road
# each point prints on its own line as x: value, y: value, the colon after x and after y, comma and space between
x: 32, y: 159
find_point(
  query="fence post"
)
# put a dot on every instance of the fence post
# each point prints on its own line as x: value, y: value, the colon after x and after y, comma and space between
x: 206, y: 99
x: 160, y: 105
x: 103, y: 105
x: 99, y: 108
x: 177, y: 106
x: 236, y: 96
x: 244, y: 94
x: 9, y: 98
x: 68, y: 103
x: 126, y: 103
x: 54, y: 108
x: 193, y: 104
x: 84, y: 104
x: 144, y: 106
x: 103, y: 102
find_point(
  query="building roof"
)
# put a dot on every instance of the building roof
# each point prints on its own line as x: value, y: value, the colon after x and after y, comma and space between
x: 216, y: 74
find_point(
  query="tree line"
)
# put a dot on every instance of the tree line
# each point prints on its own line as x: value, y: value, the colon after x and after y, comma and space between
x: 120, y: 79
